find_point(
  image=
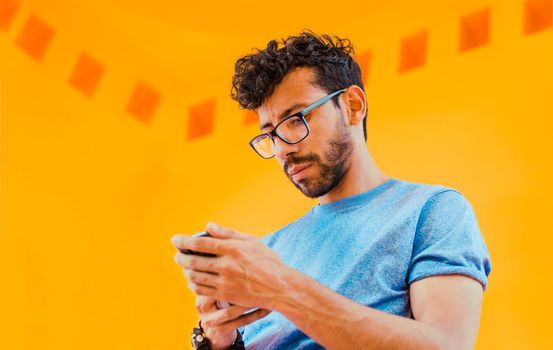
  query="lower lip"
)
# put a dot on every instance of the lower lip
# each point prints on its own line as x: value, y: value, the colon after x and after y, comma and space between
x: 301, y: 174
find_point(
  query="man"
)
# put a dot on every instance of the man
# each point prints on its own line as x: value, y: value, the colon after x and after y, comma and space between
x: 378, y: 263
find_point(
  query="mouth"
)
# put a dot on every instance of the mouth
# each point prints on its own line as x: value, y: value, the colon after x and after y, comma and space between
x: 297, y: 169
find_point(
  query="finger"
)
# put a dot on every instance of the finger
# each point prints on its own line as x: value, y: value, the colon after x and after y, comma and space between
x: 188, y: 272
x: 199, y: 289
x: 218, y: 317
x: 197, y: 263
x: 246, y: 319
x: 199, y: 244
x: 224, y: 232
x: 203, y: 278
x: 205, y: 304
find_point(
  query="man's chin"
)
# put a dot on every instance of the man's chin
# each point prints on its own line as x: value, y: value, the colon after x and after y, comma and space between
x: 308, y: 191
x: 301, y: 185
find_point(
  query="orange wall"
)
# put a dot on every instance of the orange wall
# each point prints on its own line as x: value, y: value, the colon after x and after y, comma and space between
x: 117, y: 132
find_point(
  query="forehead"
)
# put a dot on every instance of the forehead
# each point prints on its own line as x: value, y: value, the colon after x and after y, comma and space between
x: 296, y: 89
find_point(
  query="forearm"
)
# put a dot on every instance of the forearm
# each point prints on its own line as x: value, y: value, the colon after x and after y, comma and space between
x: 336, y: 322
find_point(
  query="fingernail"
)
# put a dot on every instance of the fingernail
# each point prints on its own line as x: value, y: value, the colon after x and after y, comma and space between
x: 175, y: 240
x: 213, y: 226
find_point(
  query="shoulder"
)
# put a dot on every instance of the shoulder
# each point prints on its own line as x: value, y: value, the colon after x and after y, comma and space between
x: 429, y: 196
x: 445, y: 206
x: 436, y: 209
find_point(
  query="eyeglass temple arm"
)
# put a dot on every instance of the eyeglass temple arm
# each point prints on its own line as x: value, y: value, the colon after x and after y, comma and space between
x: 322, y: 101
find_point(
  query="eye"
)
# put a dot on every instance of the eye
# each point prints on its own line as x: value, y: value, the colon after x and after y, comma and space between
x: 297, y: 121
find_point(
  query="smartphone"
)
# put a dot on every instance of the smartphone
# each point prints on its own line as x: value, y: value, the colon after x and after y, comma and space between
x: 192, y: 252
x: 220, y: 303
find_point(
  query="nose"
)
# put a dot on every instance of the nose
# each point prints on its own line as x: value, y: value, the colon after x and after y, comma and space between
x: 283, y: 149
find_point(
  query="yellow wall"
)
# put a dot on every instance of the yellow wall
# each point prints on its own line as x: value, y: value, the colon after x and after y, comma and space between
x: 91, y: 193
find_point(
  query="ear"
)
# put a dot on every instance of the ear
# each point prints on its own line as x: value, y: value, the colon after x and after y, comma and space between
x: 356, y: 104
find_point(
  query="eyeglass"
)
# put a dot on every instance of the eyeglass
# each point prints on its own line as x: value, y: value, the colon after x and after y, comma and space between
x: 292, y: 129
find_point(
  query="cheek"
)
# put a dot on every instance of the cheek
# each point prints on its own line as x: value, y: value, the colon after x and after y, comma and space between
x: 316, y: 144
x: 321, y: 132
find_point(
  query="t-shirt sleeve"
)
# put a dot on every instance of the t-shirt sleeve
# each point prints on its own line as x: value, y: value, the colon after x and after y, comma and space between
x: 448, y: 240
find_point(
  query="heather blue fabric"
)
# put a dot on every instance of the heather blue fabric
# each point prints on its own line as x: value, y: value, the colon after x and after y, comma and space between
x: 371, y: 246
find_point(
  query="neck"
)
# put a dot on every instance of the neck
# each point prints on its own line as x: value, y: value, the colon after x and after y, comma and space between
x: 361, y: 176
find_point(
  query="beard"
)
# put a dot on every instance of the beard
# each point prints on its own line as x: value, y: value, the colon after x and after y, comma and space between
x: 332, y: 170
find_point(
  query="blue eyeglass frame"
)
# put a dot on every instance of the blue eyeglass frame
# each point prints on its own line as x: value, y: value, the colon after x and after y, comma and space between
x: 272, y: 134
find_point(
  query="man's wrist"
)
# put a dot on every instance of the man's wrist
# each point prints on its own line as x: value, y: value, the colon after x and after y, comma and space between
x: 201, y: 342
x: 305, y: 301
x: 292, y: 290
x: 224, y: 347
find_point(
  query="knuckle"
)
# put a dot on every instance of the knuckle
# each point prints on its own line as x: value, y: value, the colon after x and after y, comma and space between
x: 209, y: 264
x: 194, y: 245
x: 231, y: 268
x: 195, y: 277
x: 224, y: 268
x: 191, y: 263
x: 248, y: 236
x: 255, y: 245
x: 224, y: 281
x: 234, y: 249
x: 216, y: 244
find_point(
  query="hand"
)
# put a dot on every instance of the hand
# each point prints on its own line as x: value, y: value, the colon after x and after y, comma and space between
x: 220, y: 325
x: 245, y: 272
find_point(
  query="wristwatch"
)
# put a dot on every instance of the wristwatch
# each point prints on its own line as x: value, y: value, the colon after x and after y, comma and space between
x: 200, y: 341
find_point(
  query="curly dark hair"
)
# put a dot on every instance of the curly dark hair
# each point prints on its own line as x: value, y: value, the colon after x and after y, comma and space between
x: 257, y: 75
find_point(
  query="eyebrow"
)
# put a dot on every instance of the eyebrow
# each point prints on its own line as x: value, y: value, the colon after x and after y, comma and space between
x: 285, y: 114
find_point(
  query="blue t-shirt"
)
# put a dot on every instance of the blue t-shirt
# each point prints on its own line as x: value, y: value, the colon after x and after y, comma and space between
x: 369, y: 247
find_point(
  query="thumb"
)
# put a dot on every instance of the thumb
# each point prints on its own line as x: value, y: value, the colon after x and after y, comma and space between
x: 222, y: 232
